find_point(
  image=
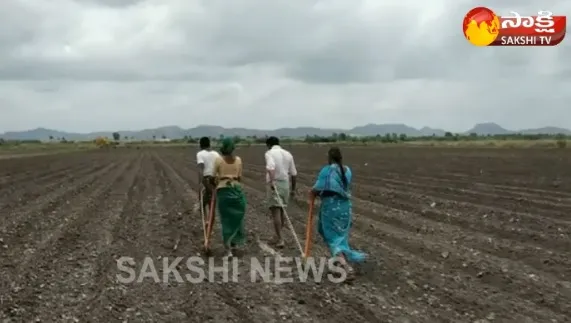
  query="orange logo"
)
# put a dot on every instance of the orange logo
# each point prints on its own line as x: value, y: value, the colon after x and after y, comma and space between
x: 481, y: 26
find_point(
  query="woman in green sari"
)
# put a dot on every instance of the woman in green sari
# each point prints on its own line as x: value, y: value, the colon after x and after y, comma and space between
x: 230, y: 199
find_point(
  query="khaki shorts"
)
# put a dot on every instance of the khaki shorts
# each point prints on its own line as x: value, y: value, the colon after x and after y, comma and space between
x: 282, y: 188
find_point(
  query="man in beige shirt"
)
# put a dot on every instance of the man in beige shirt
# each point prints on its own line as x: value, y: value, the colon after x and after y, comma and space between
x: 280, y: 169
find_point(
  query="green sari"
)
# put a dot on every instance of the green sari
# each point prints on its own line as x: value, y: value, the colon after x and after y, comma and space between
x: 231, y: 204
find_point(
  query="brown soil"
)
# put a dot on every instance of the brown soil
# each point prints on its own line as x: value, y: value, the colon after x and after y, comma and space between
x: 453, y: 235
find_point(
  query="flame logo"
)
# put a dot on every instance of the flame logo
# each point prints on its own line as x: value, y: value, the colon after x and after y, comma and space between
x: 481, y: 26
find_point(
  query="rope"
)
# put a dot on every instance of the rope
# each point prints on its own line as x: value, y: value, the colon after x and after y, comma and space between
x: 290, y: 224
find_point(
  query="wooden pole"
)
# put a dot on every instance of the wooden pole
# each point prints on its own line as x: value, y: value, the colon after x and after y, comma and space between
x: 309, y: 229
x: 204, y: 225
x: 210, y: 222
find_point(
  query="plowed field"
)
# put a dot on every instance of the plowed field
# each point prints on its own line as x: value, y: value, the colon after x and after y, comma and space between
x: 454, y: 235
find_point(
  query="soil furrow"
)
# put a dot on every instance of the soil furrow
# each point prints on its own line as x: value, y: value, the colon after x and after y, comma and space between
x: 520, y: 252
x: 49, y: 176
x: 27, y: 231
x: 476, y: 221
x: 31, y: 192
x: 54, y: 254
x: 237, y: 298
x: 454, y: 235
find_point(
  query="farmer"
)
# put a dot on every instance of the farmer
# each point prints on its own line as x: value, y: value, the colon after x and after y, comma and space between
x: 279, y: 167
x: 333, y: 187
x: 231, y: 201
x: 205, y: 160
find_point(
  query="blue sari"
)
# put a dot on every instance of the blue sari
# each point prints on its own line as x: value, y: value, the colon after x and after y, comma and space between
x: 335, y: 213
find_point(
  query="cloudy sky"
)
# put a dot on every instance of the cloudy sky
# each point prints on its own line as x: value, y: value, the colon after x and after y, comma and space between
x: 85, y: 65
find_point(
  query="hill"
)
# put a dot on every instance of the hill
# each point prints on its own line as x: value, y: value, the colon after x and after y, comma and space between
x: 495, y: 129
x: 175, y: 132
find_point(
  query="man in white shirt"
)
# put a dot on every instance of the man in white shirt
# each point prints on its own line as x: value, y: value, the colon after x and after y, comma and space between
x: 280, y: 168
x: 205, y: 159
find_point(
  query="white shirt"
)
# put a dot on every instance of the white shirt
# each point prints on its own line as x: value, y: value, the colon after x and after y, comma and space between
x: 207, y: 158
x: 281, y: 162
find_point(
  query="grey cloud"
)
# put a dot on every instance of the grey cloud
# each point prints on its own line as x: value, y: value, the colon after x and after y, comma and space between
x: 105, y: 70
x: 112, y: 3
x: 18, y: 26
x: 189, y: 62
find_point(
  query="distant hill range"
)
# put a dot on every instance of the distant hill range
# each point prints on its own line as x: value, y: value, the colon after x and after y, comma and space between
x: 175, y: 132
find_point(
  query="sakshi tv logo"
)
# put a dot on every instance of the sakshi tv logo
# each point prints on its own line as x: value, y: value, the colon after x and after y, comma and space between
x: 483, y: 27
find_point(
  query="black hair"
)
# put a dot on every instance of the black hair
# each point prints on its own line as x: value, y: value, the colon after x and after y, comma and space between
x: 204, y: 143
x: 272, y: 141
x: 337, y: 158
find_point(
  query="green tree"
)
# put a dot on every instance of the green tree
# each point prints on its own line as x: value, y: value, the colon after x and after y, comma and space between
x: 116, y: 136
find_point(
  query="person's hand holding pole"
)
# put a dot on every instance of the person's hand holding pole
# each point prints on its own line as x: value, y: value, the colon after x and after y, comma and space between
x: 312, y: 194
x: 272, y: 180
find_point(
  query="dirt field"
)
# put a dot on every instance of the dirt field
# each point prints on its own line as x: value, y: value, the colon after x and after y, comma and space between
x: 454, y: 235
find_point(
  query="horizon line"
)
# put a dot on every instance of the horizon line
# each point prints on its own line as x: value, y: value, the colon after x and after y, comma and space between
x: 275, y: 129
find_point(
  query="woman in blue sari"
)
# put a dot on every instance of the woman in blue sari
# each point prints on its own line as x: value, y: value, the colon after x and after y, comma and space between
x: 333, y: 187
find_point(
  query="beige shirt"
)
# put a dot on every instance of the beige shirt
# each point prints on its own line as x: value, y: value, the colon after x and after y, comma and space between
x: 226, y: 172
x: 281, y: 162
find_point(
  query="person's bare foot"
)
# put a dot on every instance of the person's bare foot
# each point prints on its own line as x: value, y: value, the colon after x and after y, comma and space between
x: 279, y: 243
x: 234, y: 250
x: 228, y: 252
x: 350, y: 273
